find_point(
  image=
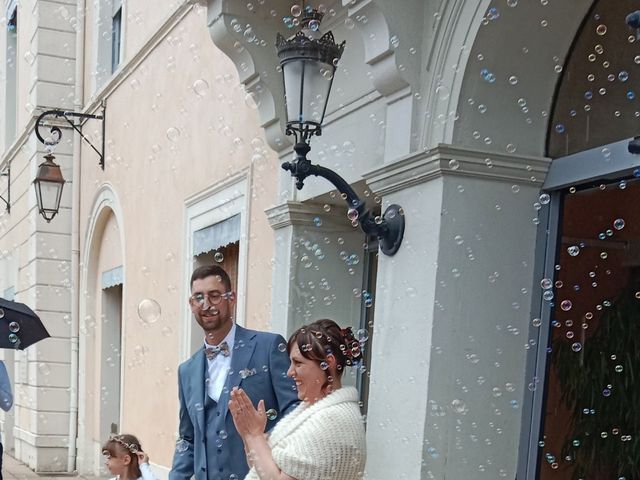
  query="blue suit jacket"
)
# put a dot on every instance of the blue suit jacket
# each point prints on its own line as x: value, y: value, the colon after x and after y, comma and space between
x: 257, y: 366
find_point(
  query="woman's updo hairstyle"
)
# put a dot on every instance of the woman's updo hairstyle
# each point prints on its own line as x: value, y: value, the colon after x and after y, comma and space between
x: 324, y: 337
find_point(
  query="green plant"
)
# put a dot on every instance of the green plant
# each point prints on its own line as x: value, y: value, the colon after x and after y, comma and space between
x: 598, y: 386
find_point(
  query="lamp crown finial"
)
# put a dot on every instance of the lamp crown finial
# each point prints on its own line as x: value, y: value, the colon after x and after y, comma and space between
x: 310, y: 14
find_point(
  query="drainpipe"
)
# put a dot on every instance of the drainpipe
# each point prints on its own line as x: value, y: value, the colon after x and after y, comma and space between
x: 75, y: 242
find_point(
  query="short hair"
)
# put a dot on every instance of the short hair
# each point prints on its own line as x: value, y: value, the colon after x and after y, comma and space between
x: 321, y: 338
x: 211, y: 271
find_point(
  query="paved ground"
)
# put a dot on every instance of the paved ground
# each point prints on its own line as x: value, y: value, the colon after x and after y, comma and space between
x: 12, y: 469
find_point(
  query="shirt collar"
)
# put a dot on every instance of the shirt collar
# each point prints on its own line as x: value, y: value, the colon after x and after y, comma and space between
x: 229, y: 338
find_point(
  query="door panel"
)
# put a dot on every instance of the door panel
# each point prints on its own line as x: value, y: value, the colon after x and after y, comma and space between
x: 590, y: 420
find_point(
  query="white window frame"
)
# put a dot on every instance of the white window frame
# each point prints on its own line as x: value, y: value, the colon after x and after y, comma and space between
x: 219, y: 202
x: 102, y: 44
x: 10, y: 108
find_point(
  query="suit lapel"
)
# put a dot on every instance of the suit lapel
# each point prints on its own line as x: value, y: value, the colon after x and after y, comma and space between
x: 243, y: 347
x: 197, y: 386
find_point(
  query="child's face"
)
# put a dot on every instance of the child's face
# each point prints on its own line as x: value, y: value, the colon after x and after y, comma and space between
x: 118, y: 463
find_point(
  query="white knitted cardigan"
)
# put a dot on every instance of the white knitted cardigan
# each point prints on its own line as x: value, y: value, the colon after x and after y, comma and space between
x: 322, y: 441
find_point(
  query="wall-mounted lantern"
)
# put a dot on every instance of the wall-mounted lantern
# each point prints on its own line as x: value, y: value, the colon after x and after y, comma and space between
x: 49, y: 181
x: 309, y: 60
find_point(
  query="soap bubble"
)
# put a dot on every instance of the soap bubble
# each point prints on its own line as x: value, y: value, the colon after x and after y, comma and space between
x: 272, y: 414
x: 200, y: 87
x: 546, y: 283
x: 362, y: 335
x: 173, y: 134
x: 618, y: 223
x: 182, y: 445
x: 459, y: 406
x: 149, y: 310
x: 573, y: 250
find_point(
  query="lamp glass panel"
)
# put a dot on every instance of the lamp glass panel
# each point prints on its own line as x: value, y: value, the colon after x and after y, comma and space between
x: 317, y: 83
x: 292, y: 81
x: 49, y: 194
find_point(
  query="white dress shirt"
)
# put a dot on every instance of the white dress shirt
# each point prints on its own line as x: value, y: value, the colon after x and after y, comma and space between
x: 218, y: 368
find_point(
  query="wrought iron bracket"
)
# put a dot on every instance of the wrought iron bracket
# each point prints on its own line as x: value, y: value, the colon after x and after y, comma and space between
x: 7, y: 201
x: 56, y: 133
x: 389, y: 228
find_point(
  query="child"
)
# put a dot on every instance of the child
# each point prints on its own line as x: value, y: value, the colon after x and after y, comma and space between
x: 125, y: 458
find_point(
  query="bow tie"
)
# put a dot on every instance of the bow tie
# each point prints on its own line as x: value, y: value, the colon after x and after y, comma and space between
x: 212, y: 352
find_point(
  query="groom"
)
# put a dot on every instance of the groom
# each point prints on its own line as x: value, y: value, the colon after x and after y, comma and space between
x: 209, y: 446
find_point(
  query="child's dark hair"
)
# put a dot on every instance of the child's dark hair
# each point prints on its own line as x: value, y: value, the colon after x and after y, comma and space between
x: 323, y: 337
x: 124, y: 444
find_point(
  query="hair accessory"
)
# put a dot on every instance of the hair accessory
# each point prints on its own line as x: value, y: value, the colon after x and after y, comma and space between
x: 351, y: 347
x: 132, y: 447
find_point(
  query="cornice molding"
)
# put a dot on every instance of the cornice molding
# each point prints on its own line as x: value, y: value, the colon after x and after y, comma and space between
x: 304, y: 214
x: 234, y: 179
x: 448, y: 160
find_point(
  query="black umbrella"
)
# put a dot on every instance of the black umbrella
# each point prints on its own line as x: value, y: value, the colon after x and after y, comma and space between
x: 19, y: 325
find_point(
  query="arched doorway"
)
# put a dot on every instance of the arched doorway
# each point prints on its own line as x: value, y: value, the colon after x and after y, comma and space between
x: 101, y: 331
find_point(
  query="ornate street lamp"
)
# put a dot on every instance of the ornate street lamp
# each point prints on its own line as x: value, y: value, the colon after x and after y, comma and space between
x: 48, y: 184
x: 309, y: 61
x: 49, y: 181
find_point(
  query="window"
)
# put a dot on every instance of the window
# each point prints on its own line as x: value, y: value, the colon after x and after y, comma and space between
x: 216, y: 226
x: 109, y: 41
x: 365, y: 333
x: 219, y: 244
x: 116, y: 38
x: 11, y: 69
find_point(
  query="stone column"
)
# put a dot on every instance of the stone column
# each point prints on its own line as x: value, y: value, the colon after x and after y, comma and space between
x: 318, y: 268
x: 452, y: 313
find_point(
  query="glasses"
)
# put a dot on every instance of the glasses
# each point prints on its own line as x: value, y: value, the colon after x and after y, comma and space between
x: 212, y: 298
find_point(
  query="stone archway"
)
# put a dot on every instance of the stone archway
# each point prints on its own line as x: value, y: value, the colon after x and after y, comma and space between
x: 100, y: 327
x: 515, y: 64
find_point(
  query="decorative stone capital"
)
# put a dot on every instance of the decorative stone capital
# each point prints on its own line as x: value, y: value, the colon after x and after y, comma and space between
x: 306, y: 215
x: 420, y: 167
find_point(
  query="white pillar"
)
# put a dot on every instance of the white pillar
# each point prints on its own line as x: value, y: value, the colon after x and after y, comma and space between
x: 312, y: 276
x: 452, y: 312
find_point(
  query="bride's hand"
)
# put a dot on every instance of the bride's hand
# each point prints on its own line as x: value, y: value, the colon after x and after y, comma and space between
x: 248, y: 420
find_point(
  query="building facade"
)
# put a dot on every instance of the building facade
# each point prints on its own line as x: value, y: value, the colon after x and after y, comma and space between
x: 501, y: 129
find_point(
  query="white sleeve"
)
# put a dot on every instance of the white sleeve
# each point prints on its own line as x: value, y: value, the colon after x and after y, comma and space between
x: 147, y: 473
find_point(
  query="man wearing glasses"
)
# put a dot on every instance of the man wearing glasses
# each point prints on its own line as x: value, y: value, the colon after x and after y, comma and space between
x: 209, y: 446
